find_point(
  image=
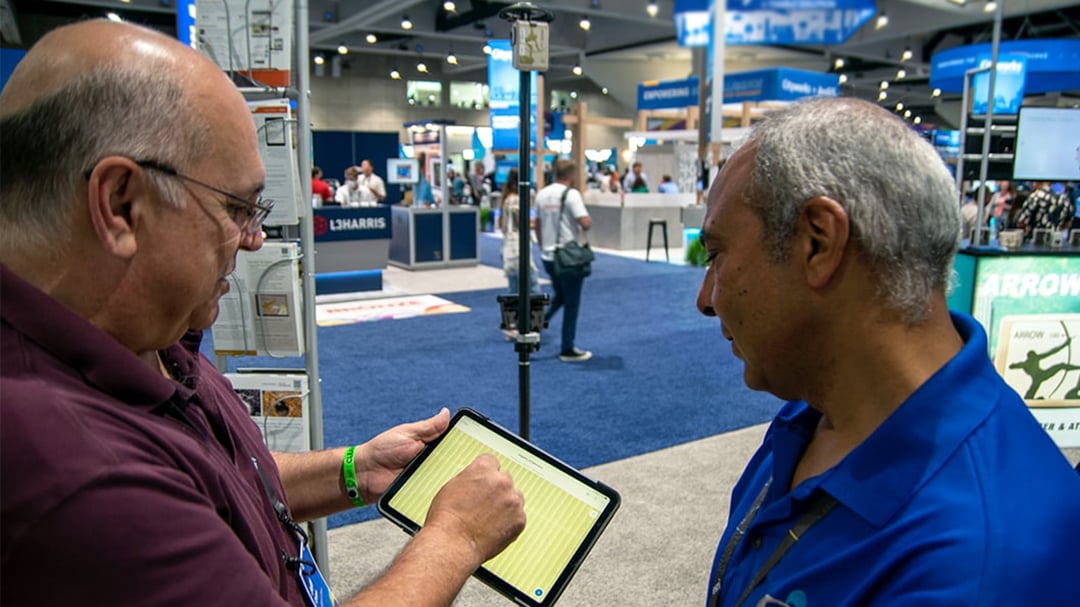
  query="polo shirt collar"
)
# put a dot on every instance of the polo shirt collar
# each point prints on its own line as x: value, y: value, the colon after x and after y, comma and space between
x: 878, y: 477
x: 101, y: 360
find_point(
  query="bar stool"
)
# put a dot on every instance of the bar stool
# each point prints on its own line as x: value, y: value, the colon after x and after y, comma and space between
x: 662, y: 223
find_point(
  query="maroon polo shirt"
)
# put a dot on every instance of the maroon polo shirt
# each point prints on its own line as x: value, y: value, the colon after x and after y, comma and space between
x: 119, y: 486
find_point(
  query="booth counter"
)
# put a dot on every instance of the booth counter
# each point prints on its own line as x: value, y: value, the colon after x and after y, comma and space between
x: 1028, y: 300
x: 426, y: 238
x: 621, y: 221
x: 351, y: 248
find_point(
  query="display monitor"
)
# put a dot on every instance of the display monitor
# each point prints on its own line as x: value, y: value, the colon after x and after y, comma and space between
x: 1047, y: 144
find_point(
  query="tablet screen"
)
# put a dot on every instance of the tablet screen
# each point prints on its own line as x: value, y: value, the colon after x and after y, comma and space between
x: 565, y: 511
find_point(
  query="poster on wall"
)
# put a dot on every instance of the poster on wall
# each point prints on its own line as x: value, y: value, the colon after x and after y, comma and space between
x: 278, y: 404
x: 251, y: 36
x: 260, y: 314
x: 274, y: 130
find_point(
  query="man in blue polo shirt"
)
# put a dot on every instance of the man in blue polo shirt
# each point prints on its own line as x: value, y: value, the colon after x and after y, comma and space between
x: 903, y: 471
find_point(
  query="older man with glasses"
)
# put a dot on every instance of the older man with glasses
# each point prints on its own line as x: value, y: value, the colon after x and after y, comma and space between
x: 130, y: 473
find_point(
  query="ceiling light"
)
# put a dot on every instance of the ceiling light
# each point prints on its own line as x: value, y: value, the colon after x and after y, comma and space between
x: 990, y: 7
x: 372, y: 39
x: 487, y: 48
x: 573, y: 94
x: 319, y: 60
x: 342, y: 49
x: 899, y: 106
x: 917, y: 120
x: 449, y: 6
x: 584, y: 24
x: 405, y: 23
x: 576, y: 70
x: 884, y: 85
x: 936, y: 93
x: 838, y: 63
x: 396, y: 75
x: 907, y: 113
x: 451, y: 58
x: 901, y: 74
x: 421, y: 67
x: 882, y: 21
x: 906, y: 55
x: 604, y: 90
x: 843, y: 79
x: 652, y: 8
x: 959, y: 2
x: 882, y: 96
x: 113, y: 17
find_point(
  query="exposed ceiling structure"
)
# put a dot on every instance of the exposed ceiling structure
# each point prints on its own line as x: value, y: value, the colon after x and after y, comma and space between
x: 623, y: 45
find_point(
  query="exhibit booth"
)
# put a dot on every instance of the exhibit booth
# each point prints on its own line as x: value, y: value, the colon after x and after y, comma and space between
x: 352, y: 247
x: 430, y: 233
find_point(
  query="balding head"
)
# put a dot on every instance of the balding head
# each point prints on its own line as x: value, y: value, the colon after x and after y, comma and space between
x: 93, y: 90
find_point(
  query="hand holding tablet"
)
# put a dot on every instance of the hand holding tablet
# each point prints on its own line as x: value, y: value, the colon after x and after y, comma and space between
x: 565, y: 511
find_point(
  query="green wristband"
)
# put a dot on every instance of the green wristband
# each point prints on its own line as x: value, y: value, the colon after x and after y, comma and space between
x: 348, y: 470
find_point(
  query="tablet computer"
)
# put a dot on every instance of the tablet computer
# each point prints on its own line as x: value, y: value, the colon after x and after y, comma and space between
x: 565, y: 511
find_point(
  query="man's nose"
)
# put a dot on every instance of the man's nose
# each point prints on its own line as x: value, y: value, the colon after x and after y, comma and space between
x: 704, y: 304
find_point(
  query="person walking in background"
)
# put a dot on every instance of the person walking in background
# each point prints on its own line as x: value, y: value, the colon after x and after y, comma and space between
x: 562, y: 212
x: 320, y: 188
x: 508, y: 224
x: 903, y: 470
x: 131, y: 473
x: 371, y: 187
x: 476, y: 183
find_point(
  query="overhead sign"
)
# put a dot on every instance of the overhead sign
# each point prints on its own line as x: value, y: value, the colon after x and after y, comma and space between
x: 773, y: 21
x: 779, y: 84
x: 1009, y: 79
x: 664, y: 94
x: 503, y: 84
x: 1051, y: 65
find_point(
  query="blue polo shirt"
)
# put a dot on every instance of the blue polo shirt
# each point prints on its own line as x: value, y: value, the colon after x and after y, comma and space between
x: 958, y: 498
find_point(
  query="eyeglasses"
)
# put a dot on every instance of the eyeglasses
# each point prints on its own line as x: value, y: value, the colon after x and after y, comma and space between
x: 247, y: 215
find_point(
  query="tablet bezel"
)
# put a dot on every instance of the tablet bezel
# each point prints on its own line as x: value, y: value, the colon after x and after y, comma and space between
x: 483, y: 574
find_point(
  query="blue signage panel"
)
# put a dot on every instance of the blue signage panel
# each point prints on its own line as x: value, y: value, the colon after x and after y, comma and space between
x: 773, y: 21
x: 348, y: 223
x: 185, y: 23
x: 1051, y: 65
x: 664, y: 94
x: 779, y: 84
x: 503, y: 84
x: 947, y: 143
x: 1008, y: 84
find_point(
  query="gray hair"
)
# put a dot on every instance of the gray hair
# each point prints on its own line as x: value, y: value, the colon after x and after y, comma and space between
x: 895, y: 188
x: 141, y: 112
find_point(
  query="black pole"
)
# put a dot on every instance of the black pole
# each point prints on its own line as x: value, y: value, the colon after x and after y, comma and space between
x: 524, y: 252
x: 526, y: 341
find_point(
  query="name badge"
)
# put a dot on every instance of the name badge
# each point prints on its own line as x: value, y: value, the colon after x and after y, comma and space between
x: 316, y: 590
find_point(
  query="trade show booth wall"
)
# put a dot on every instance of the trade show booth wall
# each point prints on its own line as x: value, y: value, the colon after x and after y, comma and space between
x: 334, y: 151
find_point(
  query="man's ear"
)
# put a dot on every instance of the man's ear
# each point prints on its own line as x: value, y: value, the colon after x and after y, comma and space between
x: 116, y: 200
x: 824, y: 231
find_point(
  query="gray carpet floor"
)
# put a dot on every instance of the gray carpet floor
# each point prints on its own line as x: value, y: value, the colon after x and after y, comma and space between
x: 656, y: 551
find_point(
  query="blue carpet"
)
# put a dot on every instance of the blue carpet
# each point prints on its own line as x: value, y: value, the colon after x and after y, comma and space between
x: 661, y: 373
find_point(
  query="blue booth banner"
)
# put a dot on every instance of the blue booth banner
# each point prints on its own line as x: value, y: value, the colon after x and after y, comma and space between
x: 352, y: 223
x: 1008, y: 84
x: 947, y: 143
x: 503, y: 98
x: 773, y: 21
x: 1051, y: 65
x: 665, y: 94
x: 779, y: 84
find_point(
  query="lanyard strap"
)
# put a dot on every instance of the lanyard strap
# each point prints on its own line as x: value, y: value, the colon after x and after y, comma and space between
x: 821, y: 505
